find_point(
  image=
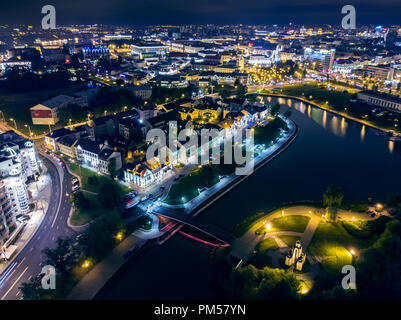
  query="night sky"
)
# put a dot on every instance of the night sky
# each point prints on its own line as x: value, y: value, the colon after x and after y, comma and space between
x: 137, y: 12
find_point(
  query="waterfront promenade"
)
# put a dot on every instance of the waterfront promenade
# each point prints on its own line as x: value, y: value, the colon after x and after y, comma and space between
x: 97, y: 277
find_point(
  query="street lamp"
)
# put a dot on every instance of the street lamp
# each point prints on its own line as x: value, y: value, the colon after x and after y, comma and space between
x: 4, y: 119
x: 119, y: 236
x: 15, y: 124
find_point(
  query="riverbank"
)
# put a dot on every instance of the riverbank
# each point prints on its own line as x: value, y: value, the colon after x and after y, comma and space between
x: 323, y: 107
x: 235, y: 180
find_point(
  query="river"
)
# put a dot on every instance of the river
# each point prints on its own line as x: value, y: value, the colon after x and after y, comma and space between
x: 328, y: 149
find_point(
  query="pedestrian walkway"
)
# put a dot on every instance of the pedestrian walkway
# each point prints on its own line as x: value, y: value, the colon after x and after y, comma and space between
x: 268, y: 153
x: 96, y: 278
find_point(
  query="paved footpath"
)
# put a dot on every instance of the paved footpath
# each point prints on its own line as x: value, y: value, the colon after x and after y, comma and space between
x: 96, y: 278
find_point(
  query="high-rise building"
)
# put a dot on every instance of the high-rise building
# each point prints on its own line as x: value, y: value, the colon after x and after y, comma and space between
x: 19, y: 164
x: 323, y: 59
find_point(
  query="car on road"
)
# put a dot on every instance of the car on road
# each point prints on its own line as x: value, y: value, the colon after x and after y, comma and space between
x: 130, y: 200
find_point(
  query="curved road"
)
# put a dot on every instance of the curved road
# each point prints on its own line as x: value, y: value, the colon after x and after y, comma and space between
x: 28, y: 261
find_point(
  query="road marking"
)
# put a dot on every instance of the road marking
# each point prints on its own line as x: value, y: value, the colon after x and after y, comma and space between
x: 20, y: 276
x: 38, y: 237
x: 7, y: 273
x: 59, y: 203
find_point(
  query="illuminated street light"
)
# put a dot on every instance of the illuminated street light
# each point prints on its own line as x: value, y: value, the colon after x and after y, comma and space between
x: 379, y: 206
x: 15, y: 124
x: 86, y: 264
x: 351, y: 252
x: 4, y: 119
x: 268, y: 226
x: 29, y: 128
x: 119, y: 236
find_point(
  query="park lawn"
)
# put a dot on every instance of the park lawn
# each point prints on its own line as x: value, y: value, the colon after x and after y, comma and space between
x: 317, y: 93
x: 366, y: 229
x: 16, y: 106
x: 332, y: 242
x: 289, y: 240
x: 293, y: 223
x: 186, y: 188
x: 84, y: 216
x: 85, y: 173
x: 269, y: 133
x: 262, y: 258
x: 266, y: 244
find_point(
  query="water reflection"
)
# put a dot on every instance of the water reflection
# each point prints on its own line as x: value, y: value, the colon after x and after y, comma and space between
x: 344, y: 126
x: 324, y: 119
x: 391, y: 146
x: 363, y: 131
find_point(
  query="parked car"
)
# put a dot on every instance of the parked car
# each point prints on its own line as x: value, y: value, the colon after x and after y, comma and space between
x: 75, y: 187
x: 74, y: 179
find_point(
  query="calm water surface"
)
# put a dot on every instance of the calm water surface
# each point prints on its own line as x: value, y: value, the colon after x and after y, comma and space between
x: 328, y: 149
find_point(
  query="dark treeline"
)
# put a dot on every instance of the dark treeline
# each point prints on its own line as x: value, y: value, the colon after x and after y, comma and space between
x: 16, y: 81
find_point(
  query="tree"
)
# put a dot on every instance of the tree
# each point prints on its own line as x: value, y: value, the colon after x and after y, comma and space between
x: 332, y: 199
x: 251, y: 283
x: 32, y: 290
x: 207, y: 175
x: 99, y: 239
x: 287, y: 114
x: 379, y: 266
x: 275, y: 109
x: 109, y: 195
x: 62, y: 257
x: 112, y: 168
x: 241, y: 91
x: 333, y: 196
x: 394, y: 200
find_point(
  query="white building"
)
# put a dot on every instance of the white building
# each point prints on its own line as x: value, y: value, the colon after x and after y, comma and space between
x: 146, y: 173
x: 96, y: 155
x: 380, y: 99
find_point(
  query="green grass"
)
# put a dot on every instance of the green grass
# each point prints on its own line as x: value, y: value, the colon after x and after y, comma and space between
x: 187, y: 186
x: 332, y: 241
x: 269, y: 133
x: 260, y: 260
x: 85, y: 173
x: 266, y: 244
x: 355, y: 206
x: 289, y: 240
x: 338, y: 101
x: 366, y: 229
x: 84, y: 216
x: 293, y: 223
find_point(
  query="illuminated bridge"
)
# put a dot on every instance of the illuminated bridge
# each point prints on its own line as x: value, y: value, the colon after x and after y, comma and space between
x: 196, y: 223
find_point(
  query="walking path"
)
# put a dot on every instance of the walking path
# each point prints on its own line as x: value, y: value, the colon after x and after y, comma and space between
x: 268, y: 154
x: 95, y: 279
x: 242, y: 247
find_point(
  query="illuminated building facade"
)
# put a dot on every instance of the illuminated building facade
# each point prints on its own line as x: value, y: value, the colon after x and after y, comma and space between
x: 323, y: 59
